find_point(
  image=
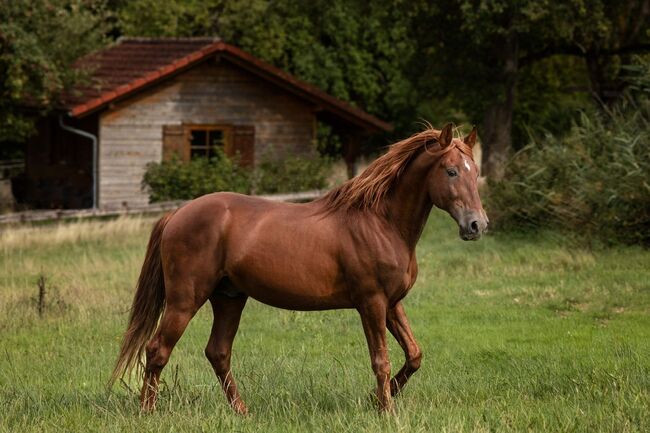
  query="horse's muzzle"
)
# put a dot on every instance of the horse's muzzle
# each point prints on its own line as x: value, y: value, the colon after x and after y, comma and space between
x: 473, y: 225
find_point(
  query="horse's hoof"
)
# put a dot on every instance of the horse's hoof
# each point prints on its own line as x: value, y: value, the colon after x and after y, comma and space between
x: 147, y: 406
x: 146, y: 409
x: 387, y: 408
x: 394, y: 390
x: 240, y: 408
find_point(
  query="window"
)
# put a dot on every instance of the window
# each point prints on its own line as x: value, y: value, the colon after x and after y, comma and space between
x: 188, y: 141
x: 202, y: 140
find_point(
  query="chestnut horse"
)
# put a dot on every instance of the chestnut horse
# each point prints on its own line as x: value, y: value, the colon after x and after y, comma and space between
x: 352, y: 248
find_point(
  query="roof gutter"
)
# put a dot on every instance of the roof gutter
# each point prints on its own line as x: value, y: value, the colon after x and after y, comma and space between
x: 94, y: 140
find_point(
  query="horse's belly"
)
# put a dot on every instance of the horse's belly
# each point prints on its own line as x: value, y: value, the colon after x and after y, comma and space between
x: 301, y: 301
x: 291, y: 277
x: 293, y: 292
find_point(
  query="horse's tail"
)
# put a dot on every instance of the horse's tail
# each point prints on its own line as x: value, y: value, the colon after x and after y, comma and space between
x: 148, y: 304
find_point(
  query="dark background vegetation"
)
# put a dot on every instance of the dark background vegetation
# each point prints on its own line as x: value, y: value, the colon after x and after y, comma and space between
x: 524, y: 71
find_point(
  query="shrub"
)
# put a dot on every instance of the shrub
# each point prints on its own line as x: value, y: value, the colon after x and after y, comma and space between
x: 292, y: 174
x: 178, y: 180
x: 595, y: 181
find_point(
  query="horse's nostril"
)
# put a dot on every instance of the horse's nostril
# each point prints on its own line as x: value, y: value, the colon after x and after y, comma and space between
x: 474, y: 226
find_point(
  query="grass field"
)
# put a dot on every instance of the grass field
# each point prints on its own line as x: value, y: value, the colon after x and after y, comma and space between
x: 518, y: 334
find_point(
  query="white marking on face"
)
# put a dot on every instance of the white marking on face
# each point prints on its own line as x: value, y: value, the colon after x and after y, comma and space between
x: 467, y: 167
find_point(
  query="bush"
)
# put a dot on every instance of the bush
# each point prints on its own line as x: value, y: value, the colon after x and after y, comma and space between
x: 595, y: 181
x: 292, y: 174
x: 178, y: 180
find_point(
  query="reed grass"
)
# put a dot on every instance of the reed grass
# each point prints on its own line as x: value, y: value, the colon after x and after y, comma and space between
x: 593, y: 182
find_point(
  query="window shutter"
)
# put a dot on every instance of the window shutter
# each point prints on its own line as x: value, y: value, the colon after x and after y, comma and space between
x: 173, y: 141
x: 243, y: 143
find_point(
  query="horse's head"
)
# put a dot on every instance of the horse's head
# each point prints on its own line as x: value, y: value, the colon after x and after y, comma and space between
x: 453, y: 183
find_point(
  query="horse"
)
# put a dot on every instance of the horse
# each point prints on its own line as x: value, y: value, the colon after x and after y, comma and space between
x: 352, y: 248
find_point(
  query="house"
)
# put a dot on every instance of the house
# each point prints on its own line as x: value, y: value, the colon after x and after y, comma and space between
x: 149, y: 99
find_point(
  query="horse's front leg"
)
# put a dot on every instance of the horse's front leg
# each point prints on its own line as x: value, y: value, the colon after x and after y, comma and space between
x: 373, y: 318
x: 398, y: 325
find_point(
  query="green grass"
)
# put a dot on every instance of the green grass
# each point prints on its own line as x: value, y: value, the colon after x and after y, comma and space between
x: 519, y: 334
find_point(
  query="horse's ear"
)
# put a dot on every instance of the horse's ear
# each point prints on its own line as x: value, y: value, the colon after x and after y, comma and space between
x: 446, y: 135
x: 470, y: 140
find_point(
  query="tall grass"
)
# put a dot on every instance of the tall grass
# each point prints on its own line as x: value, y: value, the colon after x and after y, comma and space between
x: 85, y: 265
x: 55, y: 235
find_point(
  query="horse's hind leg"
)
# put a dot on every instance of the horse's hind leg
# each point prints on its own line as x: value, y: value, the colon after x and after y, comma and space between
x: 184, y: 296
x: 158, y: 350
x: 227, y: 312
x: 398, y: 325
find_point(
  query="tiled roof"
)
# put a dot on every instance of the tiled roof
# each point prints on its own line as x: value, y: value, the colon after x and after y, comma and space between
x: 134, y: 64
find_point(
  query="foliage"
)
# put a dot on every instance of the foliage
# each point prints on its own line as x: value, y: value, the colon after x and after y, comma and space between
x: 291, y: 174
x: 595, y: 181
x: 519, y: 334
x: 615, y: 30
x: 485, y: 53
x: 39, y: 40
x: 637, y: 75
x: 472, y: 42
x: 179, y: 180
x: 551, y: 94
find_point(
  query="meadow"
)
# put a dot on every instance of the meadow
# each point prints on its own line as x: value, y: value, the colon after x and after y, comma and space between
x: 519, y: 332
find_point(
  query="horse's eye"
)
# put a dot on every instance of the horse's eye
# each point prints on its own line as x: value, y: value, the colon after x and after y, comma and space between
x: 452, y: 172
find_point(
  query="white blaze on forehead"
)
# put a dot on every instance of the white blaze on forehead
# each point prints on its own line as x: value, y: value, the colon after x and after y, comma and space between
x: 467, y: 167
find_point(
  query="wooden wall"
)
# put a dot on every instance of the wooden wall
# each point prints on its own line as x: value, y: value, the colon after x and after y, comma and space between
x: 130, y: 132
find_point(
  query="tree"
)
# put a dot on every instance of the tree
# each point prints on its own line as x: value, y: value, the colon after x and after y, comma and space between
x: 39, y: 40
x: 613, y: 31
x: 481, y: 46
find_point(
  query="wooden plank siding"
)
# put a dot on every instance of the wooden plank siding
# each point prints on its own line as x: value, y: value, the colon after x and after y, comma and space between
x: 218, y: 93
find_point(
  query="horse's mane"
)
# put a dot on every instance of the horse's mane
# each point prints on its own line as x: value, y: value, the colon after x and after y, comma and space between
x: 367, y: 190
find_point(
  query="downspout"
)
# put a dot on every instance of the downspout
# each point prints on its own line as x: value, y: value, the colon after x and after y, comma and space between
x: 92, y: 138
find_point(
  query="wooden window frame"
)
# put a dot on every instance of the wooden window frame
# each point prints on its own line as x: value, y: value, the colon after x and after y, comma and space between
x: 187, y: 135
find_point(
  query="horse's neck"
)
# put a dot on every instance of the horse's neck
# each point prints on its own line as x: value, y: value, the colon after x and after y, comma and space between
x: 409, y: 204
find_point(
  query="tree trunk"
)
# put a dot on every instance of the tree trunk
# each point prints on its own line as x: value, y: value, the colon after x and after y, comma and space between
x: 496, y: 136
